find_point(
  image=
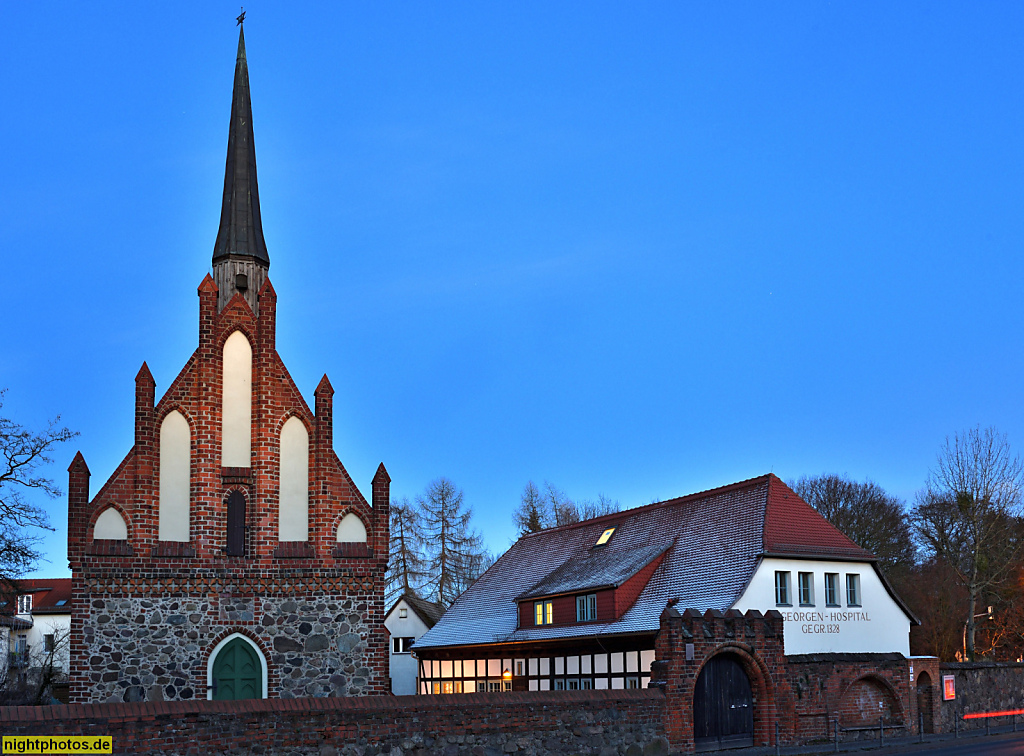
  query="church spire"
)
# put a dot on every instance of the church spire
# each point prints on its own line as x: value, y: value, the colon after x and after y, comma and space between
x: 240, y: 259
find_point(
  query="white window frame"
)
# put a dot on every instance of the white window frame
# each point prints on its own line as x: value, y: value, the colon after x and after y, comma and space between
x: 25, y: 603
x: 783, y: 588
x: 401, y: 644
x: 832, y: 597
x: 805, y: 588
x: 853, y: 597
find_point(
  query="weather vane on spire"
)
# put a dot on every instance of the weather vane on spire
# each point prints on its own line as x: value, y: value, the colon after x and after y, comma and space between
x: 241, y: 17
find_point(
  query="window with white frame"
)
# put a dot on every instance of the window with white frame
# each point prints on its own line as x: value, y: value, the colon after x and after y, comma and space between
x: 805, y: 585
x: 25, y: 603
x: 831, y: 589
x: 852, y: 589
x: 782, y: 588
x: 402, y: 645
x: 586, y: 607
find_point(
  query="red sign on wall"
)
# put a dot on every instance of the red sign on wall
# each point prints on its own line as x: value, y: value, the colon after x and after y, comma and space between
x: 948, y: 687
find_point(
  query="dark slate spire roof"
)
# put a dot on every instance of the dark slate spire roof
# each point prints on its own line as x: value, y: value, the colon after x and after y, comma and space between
x: 241, y: 230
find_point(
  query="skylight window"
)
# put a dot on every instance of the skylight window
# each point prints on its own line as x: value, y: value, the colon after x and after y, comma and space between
x: 61, y: 602
x: 605, y: 537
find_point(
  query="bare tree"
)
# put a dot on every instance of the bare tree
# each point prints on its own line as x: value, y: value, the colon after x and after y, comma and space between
x: 33, y: 684
x: 531, y: 515
x: 551, y: 508
x: 406, y: 563
x: 22, y: 453
x: 453, y: 548
x: 968, y: 515
x: 873, y: 519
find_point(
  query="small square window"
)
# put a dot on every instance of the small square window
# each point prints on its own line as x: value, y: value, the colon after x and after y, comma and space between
x: 852, y: 590
x: 831, y: 589
x: 605, y: 537
x: 805, y: 583
x: 403, y: 613
x: 782, y: 589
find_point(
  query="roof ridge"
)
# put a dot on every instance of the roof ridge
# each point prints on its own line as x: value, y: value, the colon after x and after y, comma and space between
x: 749, y: 482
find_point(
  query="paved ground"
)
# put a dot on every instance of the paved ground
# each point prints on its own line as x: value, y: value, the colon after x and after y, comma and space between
x: 1001, y: 742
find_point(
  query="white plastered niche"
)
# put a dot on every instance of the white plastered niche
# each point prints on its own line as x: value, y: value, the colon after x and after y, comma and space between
x: 236, y: 402
x: 175, y: 452
x: 293, y: 518
x: 110, y: 526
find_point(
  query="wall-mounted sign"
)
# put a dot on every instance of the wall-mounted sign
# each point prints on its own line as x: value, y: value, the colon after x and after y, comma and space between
x: 948, y: 687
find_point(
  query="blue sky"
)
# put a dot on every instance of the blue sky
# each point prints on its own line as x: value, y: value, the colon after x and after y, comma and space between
x: 638, y: 249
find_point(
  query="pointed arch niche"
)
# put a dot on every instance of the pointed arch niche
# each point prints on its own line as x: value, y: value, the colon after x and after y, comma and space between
x: 236, y: 402
x: 175, y: 468
x: 293, y: 511
x: 110, y: 526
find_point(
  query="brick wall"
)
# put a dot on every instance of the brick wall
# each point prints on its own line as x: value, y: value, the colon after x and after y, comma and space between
x: 608, y: 722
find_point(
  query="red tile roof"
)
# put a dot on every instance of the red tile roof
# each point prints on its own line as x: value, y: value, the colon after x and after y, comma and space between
x: 793, y: 527
x: 46, y: 593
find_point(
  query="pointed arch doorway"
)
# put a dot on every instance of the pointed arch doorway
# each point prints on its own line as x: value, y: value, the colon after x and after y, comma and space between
x: 237, y: 671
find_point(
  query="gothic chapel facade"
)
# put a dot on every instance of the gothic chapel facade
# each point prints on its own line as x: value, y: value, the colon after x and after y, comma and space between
x: 229, y: 555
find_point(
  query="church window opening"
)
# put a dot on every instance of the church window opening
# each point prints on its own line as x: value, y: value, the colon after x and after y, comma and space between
x: 293, y: 524
x: 236, y: 525
x: 543, y: 612
x: 805, y: 584
x: 831, y: 589
x: 853, y: 590
x: 782, y: 588
x: 586, y: 608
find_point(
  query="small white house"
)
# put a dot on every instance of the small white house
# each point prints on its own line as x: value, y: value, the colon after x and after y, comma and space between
x: 37, y: 623
x: 407, y: 620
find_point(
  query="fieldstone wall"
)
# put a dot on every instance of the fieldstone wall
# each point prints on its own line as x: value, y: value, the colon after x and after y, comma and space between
x: 595, y: 723
x: 156, y: 648
x: 982, y: 687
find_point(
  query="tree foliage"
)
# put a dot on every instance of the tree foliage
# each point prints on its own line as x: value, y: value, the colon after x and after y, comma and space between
x: 968, y: 516
x: 22, y: 454
x: 873, y: 519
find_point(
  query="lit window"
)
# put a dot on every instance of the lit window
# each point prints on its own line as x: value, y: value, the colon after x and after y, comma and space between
x: 831, y: 589
x: 805, y: 584
x: 586, y: 607
x: 402, y: 645
x: 782, y: 589
x: 543, y: 612
x: 853, y: 590
x: 25, y: 604
x: 605, y: 536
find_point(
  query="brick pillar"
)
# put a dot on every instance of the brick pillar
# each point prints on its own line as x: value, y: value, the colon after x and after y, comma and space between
x: 78, y: 506
x: 268, y: 317
x: 145, y: 442
x: 207, y: 310
x: 324, y: 410
x: 381, y: 512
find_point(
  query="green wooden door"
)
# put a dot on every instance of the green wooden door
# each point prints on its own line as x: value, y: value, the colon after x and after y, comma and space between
x: 237, y: 672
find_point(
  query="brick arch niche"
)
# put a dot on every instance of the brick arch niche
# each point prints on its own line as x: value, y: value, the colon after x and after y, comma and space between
x: 865, y: 700
x: 926, y: 702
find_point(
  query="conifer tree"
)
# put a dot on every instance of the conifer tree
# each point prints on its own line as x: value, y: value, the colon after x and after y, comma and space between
x: 406, y: 562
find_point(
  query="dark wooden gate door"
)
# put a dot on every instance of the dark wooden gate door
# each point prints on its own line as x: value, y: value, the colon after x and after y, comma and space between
x: 723, y: 705
x: 237, y: 672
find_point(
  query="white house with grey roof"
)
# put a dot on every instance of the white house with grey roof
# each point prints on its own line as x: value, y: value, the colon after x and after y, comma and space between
x: 578, y: 607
